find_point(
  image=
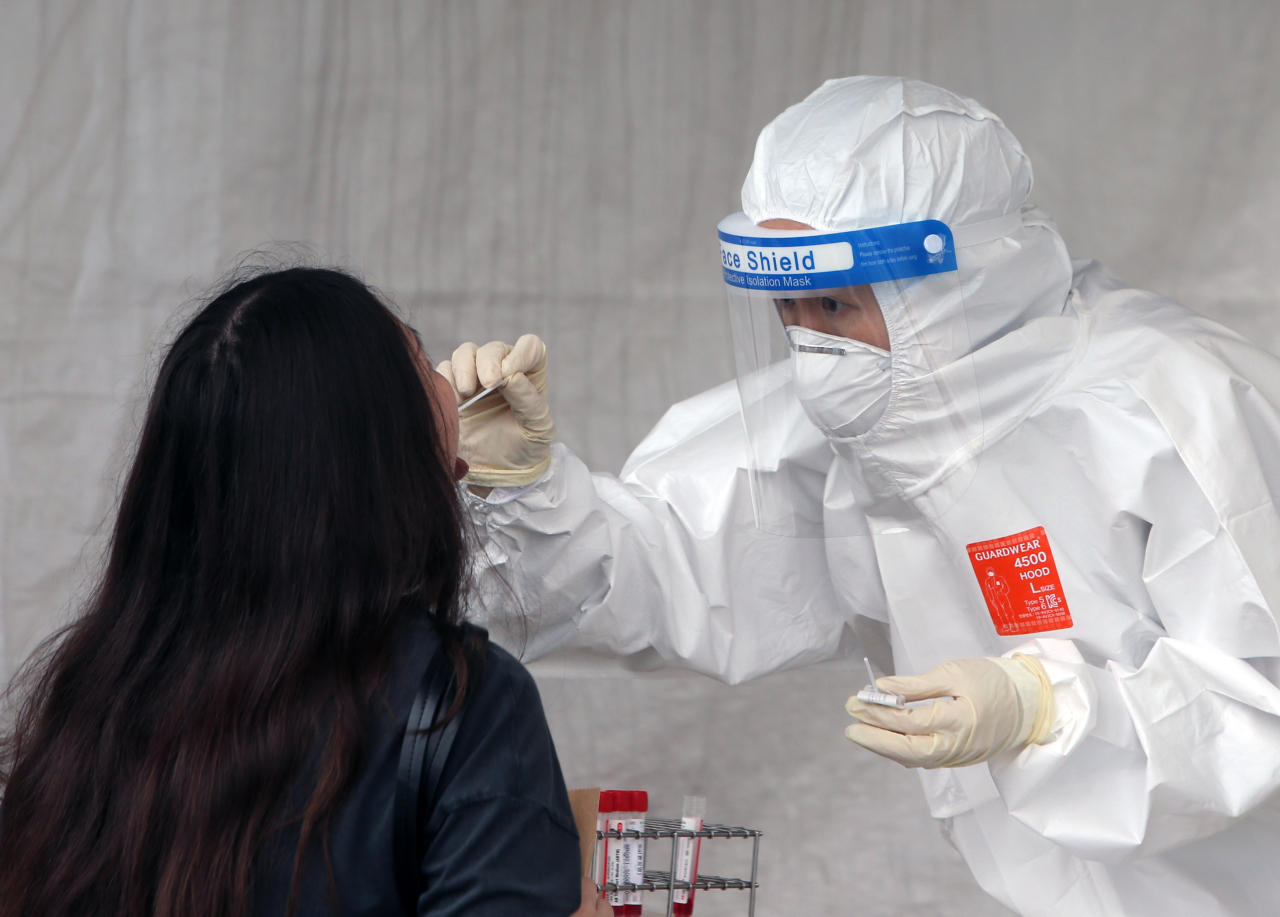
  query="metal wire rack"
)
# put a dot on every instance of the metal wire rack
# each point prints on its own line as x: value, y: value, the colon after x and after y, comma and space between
x: 659, y: 880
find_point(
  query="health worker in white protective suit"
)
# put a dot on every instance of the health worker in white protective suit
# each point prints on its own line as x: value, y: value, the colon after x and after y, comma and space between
x: 1054, y: 493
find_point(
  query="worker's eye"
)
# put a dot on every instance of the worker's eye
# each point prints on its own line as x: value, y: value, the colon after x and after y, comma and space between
x: 785, y: 303
x: 832, y: 306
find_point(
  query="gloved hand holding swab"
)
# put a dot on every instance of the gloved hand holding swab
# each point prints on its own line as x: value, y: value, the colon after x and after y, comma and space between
x: 508, y: 443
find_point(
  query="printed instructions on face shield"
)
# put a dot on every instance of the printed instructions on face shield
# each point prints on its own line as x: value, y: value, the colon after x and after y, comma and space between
x: 1020, y: 582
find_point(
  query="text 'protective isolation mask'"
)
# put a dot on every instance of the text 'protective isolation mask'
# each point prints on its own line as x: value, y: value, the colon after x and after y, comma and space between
x: 852, y: 390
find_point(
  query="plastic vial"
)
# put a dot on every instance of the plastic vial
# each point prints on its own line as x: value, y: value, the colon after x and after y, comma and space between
x: 873, y: 695
x: 601, y: 864
x: 617, y: 851
x: 638, y: 806
x: 687, y: 850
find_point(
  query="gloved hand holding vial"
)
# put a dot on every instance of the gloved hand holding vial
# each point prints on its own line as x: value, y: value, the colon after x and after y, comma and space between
x: 956, y: 714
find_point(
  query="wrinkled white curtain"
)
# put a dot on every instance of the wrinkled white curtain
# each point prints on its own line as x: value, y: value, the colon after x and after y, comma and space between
x: 559, y: 167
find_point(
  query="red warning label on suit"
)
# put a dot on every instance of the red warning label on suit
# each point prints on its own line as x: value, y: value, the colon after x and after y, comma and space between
x: 1020, y: 583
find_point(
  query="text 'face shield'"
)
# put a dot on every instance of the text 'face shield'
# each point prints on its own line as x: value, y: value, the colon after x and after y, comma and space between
x: 867, y: 331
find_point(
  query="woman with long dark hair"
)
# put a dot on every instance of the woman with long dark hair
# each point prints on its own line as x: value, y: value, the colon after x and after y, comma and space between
x: 218, y: 733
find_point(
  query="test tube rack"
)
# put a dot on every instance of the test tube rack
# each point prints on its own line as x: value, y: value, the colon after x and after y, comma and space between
x: 658, y: 880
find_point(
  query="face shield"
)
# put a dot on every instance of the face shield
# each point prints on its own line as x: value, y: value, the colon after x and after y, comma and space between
x: 867, y: 330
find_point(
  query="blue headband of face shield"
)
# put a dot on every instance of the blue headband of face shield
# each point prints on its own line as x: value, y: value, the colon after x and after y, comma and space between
x: 793, y: 261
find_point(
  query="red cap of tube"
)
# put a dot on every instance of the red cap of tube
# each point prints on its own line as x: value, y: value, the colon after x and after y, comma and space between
x: 607, y: 803
x: 639, y: 801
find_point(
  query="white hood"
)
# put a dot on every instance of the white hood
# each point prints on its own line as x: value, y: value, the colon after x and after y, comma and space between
x: 870, y: 151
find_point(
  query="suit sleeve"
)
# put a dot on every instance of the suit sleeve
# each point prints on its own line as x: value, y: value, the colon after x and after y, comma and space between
x: 665, y: 565
x: 1149, y: 758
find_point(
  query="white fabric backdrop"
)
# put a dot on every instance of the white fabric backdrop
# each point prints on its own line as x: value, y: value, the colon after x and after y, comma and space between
x: 559, y: 167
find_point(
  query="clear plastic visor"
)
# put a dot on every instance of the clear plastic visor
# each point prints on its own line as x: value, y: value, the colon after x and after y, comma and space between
x: 856, y: 334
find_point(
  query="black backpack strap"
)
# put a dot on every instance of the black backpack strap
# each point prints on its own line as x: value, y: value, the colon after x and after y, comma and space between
x: 422, y: 758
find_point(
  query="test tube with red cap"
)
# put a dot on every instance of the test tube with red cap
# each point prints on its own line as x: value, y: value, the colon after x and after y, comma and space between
x: 602, y: 843
x: 638, y: 806
x: 616, y: 851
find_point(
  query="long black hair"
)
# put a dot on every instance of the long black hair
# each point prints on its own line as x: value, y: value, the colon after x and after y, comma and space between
x: 288, y: 511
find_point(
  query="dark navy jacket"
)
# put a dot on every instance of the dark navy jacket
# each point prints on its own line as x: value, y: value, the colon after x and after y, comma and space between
x: 502, y: 840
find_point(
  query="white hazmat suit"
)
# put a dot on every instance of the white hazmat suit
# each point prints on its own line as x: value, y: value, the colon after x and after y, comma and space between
x: 1138, y: 439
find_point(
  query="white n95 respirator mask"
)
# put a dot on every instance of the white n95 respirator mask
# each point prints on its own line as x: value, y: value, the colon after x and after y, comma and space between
x: 843, y: 384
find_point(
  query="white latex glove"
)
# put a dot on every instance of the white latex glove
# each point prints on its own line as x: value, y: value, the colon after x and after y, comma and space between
x: 506, y: 436
x: 1000, y: 704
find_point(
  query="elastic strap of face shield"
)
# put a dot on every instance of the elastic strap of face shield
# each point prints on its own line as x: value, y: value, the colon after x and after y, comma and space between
x: 987, y: 230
